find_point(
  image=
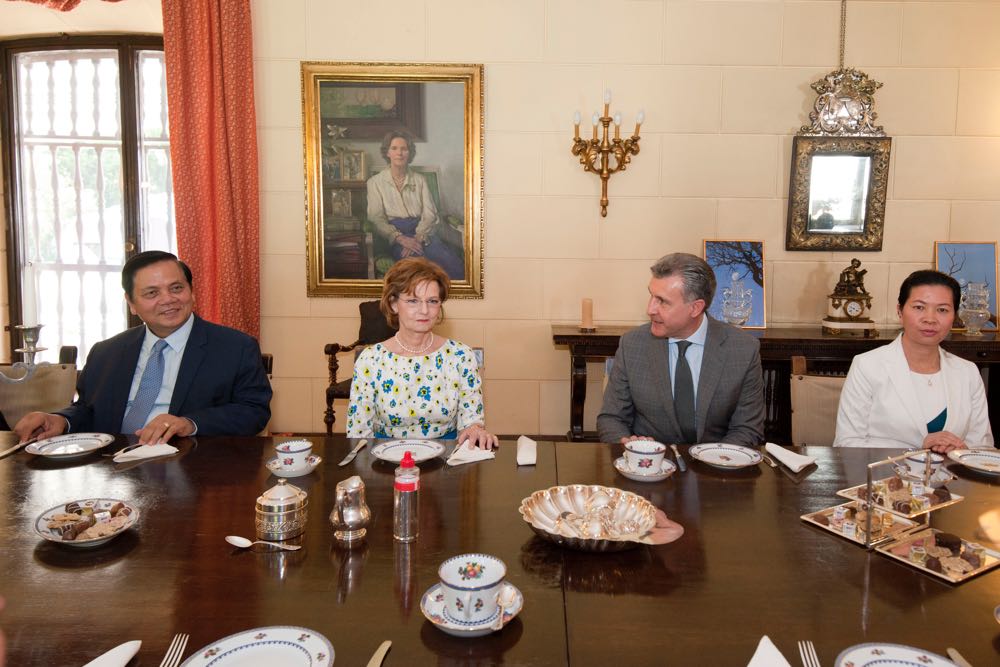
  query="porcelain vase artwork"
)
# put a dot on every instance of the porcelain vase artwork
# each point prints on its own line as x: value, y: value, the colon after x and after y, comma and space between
x: 737, y: 302
x: 975, y: 308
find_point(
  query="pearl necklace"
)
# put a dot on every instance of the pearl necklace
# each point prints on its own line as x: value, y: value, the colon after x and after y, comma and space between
x: 406, y: 349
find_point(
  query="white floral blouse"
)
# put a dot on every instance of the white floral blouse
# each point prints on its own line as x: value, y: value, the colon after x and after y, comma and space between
x: 426, y: 396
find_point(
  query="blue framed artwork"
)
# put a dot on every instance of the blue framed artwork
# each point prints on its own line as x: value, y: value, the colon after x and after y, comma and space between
x: 739, y: 275
x: 970, y: 262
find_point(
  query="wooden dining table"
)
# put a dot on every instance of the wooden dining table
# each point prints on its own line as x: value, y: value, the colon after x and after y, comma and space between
x: 746, y: 566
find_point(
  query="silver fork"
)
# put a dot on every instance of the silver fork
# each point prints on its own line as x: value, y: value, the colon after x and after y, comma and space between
x: 176, y: 650
x: 808, y: 654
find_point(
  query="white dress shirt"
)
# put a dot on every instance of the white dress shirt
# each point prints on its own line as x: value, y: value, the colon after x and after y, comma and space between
x: 694, y: 355
x: 172, y: 355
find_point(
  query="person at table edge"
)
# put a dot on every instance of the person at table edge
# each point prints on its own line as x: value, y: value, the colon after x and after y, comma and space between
x: 720, y: 368
x: 211, y: 380
x: 911, y: 392
x: 417, y: 384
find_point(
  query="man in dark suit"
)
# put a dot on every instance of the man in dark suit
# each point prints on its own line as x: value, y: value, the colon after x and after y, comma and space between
x: 176, y: 376
x: 684, y: 377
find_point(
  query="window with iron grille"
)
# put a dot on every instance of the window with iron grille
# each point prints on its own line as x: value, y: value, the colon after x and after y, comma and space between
x: 87, y: 167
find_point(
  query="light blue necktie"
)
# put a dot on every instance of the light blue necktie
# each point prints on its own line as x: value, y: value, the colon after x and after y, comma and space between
x: 149, y: 389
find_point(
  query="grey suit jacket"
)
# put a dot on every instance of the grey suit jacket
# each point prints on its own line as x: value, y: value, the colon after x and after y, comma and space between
x: 730, y: 400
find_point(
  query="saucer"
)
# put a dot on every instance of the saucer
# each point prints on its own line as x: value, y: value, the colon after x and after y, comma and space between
x: 310, y: 465
x: 666, y: 470
x: 432, y: 605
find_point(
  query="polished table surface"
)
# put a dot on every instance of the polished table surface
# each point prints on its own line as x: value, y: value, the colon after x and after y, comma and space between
x: 746, y: 565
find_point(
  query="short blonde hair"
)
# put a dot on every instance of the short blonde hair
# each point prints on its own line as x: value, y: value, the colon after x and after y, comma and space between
x: 403, y: 278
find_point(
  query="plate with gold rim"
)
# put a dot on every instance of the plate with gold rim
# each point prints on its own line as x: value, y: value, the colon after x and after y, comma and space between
x: 725, y: 456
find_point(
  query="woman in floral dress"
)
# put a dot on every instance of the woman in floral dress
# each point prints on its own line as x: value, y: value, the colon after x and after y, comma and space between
x: 417, y: 384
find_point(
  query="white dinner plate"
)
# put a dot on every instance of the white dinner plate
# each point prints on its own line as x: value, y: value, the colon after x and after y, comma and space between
x: 284, y: 645
x: 420, y: 450
x: 432, y: 606
x: 889, y: 655
x: 667, y: 468
x: 980, y: 460
x: 71, y: 445
x: 43, y: 531
x: 728, y: 457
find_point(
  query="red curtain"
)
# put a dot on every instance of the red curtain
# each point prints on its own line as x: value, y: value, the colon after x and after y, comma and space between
x: 60, y: 5
x: 208, y: 49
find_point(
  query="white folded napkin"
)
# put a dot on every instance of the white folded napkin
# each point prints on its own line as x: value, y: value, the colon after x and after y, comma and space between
x: 145, y: 452
x: 469, y: 453
x: 527, y: 451
x: 116, y: 657
x: 767, y: 655
x: 796, y: 462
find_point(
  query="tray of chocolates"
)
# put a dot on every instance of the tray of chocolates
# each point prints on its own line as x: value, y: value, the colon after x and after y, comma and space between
x: 903, y: 497
x: 850, y: 521
x: 942, y: 554
x: 86, y: 523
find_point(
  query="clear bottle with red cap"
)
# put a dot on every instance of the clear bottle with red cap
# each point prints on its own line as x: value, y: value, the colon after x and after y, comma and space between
x: 405, y: 506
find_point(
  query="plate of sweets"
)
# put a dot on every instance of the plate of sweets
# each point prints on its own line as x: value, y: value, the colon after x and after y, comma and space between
x: 86, y: 523
x: 942, y: 554
x: 850, y: 520
x: 903, y: 497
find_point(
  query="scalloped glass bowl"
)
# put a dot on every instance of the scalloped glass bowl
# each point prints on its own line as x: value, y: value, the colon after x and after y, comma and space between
x: 589, y: 517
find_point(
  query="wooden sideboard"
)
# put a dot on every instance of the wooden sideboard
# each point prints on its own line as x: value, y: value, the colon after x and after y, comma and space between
x: 777, y: 347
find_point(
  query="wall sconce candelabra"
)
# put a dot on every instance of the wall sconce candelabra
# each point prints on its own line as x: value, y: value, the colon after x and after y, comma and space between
x: 597, y: 154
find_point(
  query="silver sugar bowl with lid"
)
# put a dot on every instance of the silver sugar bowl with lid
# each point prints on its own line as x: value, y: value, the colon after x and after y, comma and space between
x: 281, y: 512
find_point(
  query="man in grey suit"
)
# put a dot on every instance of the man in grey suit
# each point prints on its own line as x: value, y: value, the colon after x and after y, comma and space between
x: 684, y: 377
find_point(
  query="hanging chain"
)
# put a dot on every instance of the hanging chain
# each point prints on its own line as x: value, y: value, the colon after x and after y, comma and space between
x: 843, y: 30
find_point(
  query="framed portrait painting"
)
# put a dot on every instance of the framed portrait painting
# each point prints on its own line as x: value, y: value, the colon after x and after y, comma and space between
x: 969, y: 263
x: 393, y: 168
x: 739, y: 275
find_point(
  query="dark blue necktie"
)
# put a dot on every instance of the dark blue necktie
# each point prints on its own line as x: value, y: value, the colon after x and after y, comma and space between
x: 149, y: 389
x: 684, y: 394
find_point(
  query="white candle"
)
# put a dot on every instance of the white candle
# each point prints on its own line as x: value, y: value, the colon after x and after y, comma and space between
x: 576, y: 124
x: 29, y: 304
x: 641, y: 116
x: 587, y: 319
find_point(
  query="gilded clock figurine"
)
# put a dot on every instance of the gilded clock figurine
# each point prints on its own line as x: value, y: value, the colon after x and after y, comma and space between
x: 849, y: 305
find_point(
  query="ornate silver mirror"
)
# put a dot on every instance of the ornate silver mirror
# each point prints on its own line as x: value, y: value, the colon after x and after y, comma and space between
x: 840, y: 166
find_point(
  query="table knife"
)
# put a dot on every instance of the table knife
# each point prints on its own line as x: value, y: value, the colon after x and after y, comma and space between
x: 379, y: 656
x: 354, y: 452
x: 680, y: 459
x: 957, y: 658
x: 13, y: 449
x: 119, y: 655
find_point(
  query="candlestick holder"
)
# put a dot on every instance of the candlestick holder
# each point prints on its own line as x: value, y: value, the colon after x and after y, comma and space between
x: 29, y: 336
x: 605, y: 156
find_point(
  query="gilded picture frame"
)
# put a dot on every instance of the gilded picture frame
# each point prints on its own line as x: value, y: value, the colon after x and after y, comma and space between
x: 837, y: 193
x: 357, y: 227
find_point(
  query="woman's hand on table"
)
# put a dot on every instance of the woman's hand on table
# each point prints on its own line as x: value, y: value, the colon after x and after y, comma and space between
x: 943, y: 442
x: 478, y: 437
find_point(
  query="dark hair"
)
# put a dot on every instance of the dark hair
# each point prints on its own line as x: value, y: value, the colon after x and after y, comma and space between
x: 398, y: 134
x: 144, y: 259
x: 928, y: 277
x: 696, y: 274
x: 403, y: 278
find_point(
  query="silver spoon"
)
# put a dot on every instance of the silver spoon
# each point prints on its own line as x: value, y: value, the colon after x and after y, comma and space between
x: 505, y: 599
x: 244, y: 543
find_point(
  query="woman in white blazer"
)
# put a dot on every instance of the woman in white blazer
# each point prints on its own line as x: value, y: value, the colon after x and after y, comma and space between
x: 911, y: 393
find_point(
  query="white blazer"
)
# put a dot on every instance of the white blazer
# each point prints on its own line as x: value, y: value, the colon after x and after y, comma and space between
x: 879, y: 406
